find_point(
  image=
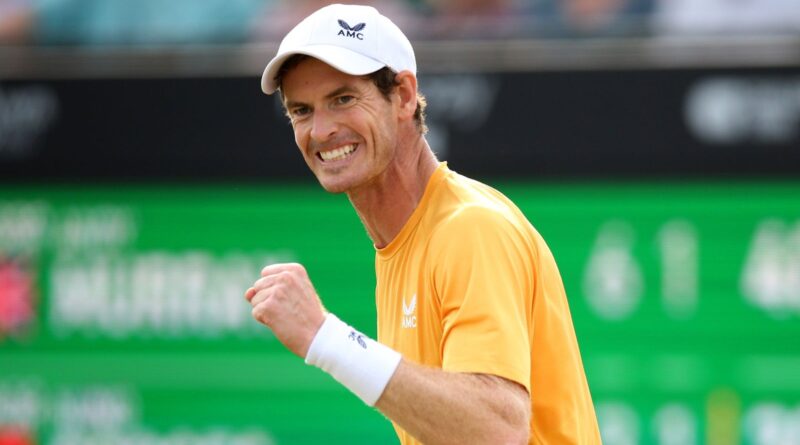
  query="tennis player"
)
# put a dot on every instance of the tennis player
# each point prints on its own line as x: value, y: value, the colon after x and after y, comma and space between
x: 475, y: 339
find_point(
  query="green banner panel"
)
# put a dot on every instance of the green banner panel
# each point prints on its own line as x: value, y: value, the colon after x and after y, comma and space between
x: 122, y: 317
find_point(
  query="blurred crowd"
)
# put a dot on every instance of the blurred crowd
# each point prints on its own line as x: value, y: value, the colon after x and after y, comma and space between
x: 148, y: 22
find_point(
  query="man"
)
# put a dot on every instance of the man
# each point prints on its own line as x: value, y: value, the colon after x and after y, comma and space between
x: 476, y: 339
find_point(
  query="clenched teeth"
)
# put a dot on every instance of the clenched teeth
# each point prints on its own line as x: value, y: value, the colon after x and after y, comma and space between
x: 337, y: 153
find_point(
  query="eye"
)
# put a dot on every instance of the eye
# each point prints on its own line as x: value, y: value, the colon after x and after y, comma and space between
x: 344, y: 100
x: 298, y: 112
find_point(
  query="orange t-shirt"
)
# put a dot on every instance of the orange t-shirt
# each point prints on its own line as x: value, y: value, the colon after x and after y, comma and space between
x: 468, y: 285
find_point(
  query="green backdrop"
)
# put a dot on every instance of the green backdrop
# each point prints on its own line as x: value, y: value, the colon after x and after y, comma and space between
x: 122, y: 318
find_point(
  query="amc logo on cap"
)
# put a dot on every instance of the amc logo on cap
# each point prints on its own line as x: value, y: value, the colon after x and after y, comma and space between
x: 351, y: 31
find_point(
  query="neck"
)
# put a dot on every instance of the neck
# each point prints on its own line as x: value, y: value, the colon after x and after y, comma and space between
x: 386, y: 204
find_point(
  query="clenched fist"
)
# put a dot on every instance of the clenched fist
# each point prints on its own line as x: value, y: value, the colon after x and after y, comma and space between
x: 284, y: 300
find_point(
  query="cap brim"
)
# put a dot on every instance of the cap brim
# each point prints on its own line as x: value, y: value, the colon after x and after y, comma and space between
x: 343, y: 59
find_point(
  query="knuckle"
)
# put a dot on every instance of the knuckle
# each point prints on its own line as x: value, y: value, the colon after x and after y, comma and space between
x: 285, y: 278
x: 262, y: 313
x: 297, y: 268
x: 261, y: 297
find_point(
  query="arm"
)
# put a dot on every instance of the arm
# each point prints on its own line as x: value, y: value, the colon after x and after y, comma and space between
x: 440, y: 407
x: 434, y: 406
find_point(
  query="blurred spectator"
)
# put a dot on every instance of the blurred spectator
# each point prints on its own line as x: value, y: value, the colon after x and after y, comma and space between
x: 132, y: 22
x: 475, y: 18
x: 281, y: 16
x: 142, y: 22
x: 591, y: 18
x: 727, y: 16
x: 16, y: 18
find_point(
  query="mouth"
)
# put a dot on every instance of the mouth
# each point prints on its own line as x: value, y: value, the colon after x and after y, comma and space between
x: 337, y: 154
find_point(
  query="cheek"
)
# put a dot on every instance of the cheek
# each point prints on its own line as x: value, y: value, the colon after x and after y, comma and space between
x: 301, y: 139
x: 386, y: 130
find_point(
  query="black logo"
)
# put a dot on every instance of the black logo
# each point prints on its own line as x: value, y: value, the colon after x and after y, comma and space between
x: 352, y: 31
x: 355, y: 336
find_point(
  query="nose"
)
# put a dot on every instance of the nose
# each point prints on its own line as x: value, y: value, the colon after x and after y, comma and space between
x: 323, y: 126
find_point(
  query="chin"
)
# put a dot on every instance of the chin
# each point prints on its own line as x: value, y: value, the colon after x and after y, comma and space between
x: 342, y: 181
x: 334, y: 190
x: 333, y: 186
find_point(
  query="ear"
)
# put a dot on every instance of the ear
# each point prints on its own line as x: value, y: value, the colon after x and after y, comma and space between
x: 407, y: 93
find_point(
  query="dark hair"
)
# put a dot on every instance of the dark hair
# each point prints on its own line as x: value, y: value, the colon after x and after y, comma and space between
x: 384, y: 79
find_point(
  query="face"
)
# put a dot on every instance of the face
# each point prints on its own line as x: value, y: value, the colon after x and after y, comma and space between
x: 345, y: 128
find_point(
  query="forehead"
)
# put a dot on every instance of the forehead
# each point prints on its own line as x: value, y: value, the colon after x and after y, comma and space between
x: 311, y: 76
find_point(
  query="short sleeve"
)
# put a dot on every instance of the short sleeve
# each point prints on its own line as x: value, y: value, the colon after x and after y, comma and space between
x: 483, y: 277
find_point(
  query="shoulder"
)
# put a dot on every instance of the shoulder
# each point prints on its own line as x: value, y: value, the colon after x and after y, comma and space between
x: 479, y: 229
x: 476, y: 206
x: 475, y: 216
x: 463, y: 200
x: 465, y: 210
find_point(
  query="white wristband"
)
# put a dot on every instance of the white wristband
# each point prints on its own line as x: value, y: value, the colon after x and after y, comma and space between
x: 361, y: 364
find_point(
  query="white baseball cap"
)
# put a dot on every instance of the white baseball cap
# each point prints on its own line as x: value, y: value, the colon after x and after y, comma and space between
x: 354, y: 39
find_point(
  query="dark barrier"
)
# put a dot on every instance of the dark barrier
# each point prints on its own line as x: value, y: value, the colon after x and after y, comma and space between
x: 581, y: 124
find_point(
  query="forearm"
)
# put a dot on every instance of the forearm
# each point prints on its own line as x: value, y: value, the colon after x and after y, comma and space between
x: 439, y: 407
x: 434, y: 406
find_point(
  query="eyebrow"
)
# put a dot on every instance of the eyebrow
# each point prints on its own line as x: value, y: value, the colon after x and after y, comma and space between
x: 341, y: 90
